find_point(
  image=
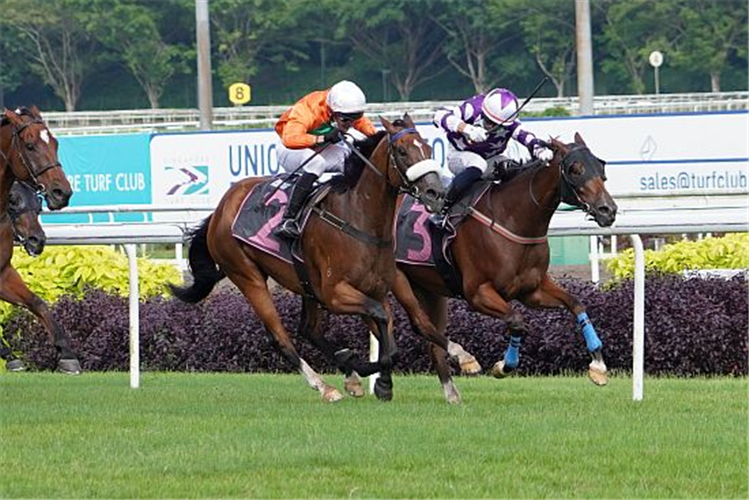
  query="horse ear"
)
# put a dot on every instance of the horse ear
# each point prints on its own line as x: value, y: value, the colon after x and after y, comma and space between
x: 408, y: 121
x: 12, y: 116
x: 35, y: 111
x: 388, y: 126
x: 579, y: 140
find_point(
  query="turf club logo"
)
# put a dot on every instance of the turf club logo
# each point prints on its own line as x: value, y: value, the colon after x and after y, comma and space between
x: 186, y: 181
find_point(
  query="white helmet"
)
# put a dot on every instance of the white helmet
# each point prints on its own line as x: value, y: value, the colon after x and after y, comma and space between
x: 346, y: 97
x: 500, y: 106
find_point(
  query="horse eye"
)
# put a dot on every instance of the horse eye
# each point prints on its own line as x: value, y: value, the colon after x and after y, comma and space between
x: 29, y: 146
x: 577, y: 169
x: 401, y: 151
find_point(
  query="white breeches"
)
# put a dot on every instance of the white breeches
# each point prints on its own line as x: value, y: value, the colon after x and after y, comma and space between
x: 331, y: 159
x: 457, y: 161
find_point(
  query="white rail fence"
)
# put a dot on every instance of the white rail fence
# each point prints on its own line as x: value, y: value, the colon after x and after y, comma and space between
x: 243, y: 117
x: 633, y: 221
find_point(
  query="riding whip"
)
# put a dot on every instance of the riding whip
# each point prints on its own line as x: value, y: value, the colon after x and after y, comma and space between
x: 527, y: 100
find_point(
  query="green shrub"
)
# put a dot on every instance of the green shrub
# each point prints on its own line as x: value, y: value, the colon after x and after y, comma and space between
x: 70, y: 270
x: 728, y: 252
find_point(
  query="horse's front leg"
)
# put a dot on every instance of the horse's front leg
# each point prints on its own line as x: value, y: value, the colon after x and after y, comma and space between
x: 487, y: 300
x: 345, y: 299
x: 423, y: 314
x: 15, y: 291
x: 310, y: 327
x: 550, y: 295
x: 381, y: 325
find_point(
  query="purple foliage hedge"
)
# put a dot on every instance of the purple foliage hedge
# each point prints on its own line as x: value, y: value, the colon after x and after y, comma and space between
x: 693, y: 327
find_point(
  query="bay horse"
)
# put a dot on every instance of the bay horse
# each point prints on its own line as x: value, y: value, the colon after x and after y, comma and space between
x: 347, y: 246
x: 28, y: 155
x: 501, y: 253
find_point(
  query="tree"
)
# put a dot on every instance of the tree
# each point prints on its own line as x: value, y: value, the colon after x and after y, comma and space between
x: 54, y: 38
x: 710, y: 30
x: 248, y: 33
x: 633, y: 29
x: 474, y: 32
x: 549, y: 31
x: 130, y: 29
x: 11, y: 62
x: 396, y: 36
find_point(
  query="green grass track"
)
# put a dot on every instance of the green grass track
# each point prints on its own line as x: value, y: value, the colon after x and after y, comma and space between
x: 269, y: 436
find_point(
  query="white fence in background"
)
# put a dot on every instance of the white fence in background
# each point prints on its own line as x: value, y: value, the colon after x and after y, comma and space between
x: 632, y: 220
x: 243, y: 117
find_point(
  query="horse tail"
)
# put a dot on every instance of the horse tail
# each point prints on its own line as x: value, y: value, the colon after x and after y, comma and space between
x: 205, y: 271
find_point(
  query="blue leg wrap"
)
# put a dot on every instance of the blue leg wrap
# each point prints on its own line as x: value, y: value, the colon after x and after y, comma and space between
x: 512, y: 354
x: 591, y: 337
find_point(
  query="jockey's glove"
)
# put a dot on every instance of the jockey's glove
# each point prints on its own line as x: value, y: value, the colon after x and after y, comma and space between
x: 543, y: 153
x: 474, y: 133
x: 333, y: 136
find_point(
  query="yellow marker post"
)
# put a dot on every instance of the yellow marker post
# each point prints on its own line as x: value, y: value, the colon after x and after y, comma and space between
x: 240, y: 93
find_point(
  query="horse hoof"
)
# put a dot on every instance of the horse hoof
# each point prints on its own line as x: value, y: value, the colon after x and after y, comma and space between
x: 499, y: 370
x: 470, y: 368
x: 15, y: 365
x: 69, y: 366
x: 331, y: 395
x: 597, y: 374
x: 384, y: 392
x: 353, y: 386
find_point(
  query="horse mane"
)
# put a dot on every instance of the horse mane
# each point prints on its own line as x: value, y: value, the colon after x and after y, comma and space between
x: 354, y: 165
x: 528, y: 168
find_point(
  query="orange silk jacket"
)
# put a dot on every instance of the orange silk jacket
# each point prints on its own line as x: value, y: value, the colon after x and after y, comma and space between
x: 297, y: 124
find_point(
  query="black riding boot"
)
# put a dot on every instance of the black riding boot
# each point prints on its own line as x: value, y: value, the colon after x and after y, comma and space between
x: 289, y: 228
x: 460, y: 185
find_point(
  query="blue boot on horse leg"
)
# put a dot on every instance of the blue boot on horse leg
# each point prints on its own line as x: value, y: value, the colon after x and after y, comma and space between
x: 597, y: 367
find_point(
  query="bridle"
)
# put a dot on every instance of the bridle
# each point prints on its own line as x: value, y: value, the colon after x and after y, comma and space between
x: 16, y: 144
x: 412, y: 172
x: 593, y: 167
x: 14, y: 215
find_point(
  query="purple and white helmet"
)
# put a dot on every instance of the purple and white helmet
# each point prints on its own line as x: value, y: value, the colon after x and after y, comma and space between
x: 500, y: 106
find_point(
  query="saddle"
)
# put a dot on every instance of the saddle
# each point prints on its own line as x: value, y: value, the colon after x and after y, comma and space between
x: 262, y: 211
x: 422, y: 242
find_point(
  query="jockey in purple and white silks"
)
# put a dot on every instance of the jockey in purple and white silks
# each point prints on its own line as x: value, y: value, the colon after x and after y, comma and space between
x: 479, y: 130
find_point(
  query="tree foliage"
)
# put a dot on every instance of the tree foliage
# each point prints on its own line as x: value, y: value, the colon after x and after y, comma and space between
x: 73, y: 53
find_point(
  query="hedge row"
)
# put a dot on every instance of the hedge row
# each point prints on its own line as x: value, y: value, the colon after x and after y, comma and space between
x: 693, y: 327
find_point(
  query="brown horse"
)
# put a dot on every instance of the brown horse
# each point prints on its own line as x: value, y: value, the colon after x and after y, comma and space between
x: 347, y: 247
x: 501, y: 254
x: 28, y: 154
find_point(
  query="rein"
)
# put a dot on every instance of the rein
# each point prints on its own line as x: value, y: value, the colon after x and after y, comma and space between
x: 346, y: 227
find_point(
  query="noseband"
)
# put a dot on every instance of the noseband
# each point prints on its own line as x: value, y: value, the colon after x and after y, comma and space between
x: 17, y: 144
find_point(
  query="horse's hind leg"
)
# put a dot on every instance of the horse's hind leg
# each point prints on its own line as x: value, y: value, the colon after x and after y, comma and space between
x: 436, y: 307
x: 251, y: 282
x: 488, y: 301
x: 549, y: 295
x: 424, y: 320
x: 310, y: 327
x: 15, y: 291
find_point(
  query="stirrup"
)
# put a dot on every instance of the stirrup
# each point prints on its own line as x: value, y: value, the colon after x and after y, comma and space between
x: 288, y: 229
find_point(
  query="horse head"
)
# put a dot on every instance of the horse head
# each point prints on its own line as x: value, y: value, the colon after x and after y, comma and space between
x: 24, y: 207
x: 583, y: 177
x: 411, y: 156
x: 31, y: 153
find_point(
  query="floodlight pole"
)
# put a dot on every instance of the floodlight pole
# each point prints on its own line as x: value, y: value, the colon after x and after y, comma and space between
x: 203, y: 41
x: 585, y: 89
